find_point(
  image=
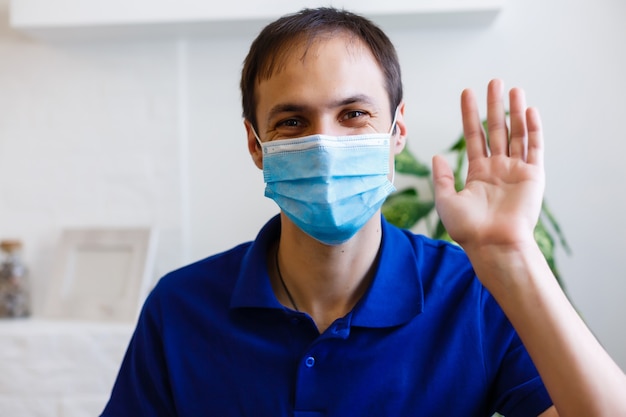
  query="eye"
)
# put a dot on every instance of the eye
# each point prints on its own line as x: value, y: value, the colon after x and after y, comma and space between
x: 353, y: 114
x: 288, y: 123
x: 289, y: 127
x: 355, y: 119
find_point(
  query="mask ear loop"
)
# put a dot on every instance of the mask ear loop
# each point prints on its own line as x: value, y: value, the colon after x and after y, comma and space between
x: 393, y: 123
x: 256, y: 136
x: 393, y: 126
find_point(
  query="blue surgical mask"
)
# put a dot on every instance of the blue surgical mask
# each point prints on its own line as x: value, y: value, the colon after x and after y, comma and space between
x: 329, y: 186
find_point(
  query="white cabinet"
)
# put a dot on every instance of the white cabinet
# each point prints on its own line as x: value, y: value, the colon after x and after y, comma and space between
x: 57, y: 368
x: 75, y: 19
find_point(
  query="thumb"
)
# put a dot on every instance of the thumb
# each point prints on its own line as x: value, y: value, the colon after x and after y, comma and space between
x: 443, y: 178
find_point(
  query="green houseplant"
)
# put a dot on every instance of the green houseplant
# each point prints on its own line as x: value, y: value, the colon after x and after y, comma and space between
x: 415, y: 205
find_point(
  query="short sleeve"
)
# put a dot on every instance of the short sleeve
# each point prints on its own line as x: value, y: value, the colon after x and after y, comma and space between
x: 142, y: 385
x: 518, y: 390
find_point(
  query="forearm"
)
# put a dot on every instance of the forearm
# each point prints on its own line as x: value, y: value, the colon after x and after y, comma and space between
x: 580, y: 376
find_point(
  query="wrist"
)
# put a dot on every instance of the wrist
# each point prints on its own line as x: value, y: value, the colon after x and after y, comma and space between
x: 504, y: 269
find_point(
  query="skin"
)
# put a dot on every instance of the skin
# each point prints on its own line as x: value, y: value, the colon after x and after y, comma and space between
x: 492, y: 218
x: 304, y: 98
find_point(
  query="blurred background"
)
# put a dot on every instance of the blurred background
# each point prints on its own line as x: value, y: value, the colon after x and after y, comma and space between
x: 146, y: 130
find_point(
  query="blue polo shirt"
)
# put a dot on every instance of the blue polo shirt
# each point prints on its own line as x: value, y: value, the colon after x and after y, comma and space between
x: 426, y: 339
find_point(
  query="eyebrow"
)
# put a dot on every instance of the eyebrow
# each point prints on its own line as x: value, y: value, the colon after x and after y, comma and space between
x: 293, y: 107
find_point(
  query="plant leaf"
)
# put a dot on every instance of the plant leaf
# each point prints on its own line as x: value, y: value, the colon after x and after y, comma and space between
x: 404, y: 209
x: 459, y: 145
x: 441, y: 233
x: 546, y: 245
x: 555, y: 226
x: 406, y: 163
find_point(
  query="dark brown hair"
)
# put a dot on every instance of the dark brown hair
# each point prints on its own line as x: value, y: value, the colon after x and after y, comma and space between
x: 268, y: 51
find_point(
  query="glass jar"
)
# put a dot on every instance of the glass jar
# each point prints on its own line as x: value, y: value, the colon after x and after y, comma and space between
x: 14, y: 291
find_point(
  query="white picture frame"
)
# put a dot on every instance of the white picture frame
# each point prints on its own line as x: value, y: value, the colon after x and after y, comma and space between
x: 101, y: 274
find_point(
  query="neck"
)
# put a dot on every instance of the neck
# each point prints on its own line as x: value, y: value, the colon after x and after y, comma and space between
x: 324, y: 281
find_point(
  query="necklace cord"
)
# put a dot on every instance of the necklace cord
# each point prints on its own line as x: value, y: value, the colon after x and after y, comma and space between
x: 282, y: 281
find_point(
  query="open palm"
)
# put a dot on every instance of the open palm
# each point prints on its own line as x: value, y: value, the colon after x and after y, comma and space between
x: 501, y: 200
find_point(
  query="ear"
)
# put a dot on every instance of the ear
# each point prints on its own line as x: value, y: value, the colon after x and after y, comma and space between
x: 253, y: 145
x: 400, y: 132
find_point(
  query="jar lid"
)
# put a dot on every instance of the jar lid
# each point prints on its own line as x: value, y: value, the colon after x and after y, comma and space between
x: 10, y: 245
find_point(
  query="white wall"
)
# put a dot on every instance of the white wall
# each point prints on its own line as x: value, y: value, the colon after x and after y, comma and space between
x: 150, y: 132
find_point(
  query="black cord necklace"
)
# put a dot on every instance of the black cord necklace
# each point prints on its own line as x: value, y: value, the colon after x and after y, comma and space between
x: 282, y: 281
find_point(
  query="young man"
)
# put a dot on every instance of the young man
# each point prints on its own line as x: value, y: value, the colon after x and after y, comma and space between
x: 333, y: 312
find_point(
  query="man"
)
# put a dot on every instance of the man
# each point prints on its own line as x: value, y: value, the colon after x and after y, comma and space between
x: 333, y: 312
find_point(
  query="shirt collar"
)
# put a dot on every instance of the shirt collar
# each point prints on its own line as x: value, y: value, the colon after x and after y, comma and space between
x: 396, y: 294
x: 253, y: 288
x: 394, y: 297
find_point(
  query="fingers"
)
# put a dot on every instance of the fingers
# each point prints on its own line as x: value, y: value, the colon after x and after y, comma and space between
x: 472, y: 127
x: 496, y: 119
x: 518, y: 140
x: 525, y: 136
x: 443, y: 179
x: 535, y: 137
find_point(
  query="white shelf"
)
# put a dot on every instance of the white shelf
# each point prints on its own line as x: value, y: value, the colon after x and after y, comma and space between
x: 59, y: 368
x: 88, y: 19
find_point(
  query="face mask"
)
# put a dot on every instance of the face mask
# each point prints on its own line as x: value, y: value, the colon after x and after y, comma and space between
x: 329, y: 186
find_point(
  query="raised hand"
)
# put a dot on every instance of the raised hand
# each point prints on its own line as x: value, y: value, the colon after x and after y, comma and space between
x: 502, y: 197
x: 493, y: 219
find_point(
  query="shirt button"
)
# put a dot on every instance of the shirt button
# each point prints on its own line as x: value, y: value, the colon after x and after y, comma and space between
x: 309, y: 362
